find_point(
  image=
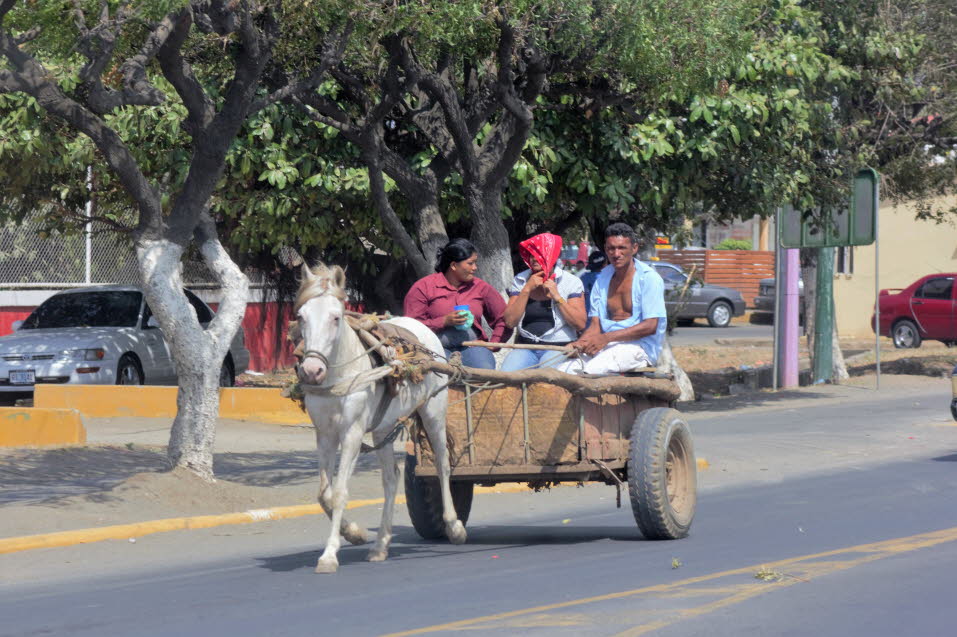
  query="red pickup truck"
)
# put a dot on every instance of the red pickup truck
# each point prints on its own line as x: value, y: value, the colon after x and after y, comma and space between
x: 924, y: 310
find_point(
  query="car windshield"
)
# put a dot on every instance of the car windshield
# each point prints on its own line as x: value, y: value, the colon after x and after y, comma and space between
x: 670, y: 275
x: 86, y: 309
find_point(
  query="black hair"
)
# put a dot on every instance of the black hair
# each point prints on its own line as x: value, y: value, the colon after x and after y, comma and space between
x: 454, y: 251
x: 596, y: 260
x: 619, y: 229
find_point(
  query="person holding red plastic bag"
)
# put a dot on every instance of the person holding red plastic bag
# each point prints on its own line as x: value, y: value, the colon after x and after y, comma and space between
x: 546, y: 304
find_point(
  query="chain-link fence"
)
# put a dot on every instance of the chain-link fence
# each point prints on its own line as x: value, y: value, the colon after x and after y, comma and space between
x: 30, y: 257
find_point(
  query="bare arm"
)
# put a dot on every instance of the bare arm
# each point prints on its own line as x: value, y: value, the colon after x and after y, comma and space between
x: 573, y: 311
x: 516, y: 308
x: 594, y: 339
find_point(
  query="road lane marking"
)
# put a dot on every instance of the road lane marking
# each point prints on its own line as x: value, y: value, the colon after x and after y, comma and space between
x: 794, y: 570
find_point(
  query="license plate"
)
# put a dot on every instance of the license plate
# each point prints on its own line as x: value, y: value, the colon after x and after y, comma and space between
x: 22, y: 377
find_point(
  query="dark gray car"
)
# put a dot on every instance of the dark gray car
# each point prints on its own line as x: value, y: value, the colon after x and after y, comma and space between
x: 703, y: 300
x: 764, y: 302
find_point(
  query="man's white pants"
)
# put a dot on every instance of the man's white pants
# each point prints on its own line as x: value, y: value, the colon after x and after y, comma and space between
x: 614, y: 358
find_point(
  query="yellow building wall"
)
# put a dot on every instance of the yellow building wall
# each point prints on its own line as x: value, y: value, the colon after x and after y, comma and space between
x: 909, y: 249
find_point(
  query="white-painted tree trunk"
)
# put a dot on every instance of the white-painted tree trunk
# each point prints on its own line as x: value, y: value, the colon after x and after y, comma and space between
x: 667, y: 363
x: 838, y: 364
x: 197, y: 353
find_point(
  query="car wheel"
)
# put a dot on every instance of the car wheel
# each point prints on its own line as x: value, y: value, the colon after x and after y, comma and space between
x: 905, y: 335
x: 719, y: 314
x: 226, y: 378
x: 128, y: 372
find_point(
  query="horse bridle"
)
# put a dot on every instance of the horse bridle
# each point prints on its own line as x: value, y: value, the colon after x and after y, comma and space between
x: 311, y: 353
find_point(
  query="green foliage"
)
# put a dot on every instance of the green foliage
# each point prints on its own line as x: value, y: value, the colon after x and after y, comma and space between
x: 734, y: 244
x: 661, y: 110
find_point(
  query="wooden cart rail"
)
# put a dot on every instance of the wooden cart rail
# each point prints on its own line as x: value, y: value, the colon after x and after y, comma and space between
x: 536, y: 432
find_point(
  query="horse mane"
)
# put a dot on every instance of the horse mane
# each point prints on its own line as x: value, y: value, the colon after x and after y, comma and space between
x: 323, y: 281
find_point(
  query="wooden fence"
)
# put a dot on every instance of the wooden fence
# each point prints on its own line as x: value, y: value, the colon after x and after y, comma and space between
x: 738, y: 269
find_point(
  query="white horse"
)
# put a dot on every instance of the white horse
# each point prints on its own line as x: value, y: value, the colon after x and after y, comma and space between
x: 333, y: 353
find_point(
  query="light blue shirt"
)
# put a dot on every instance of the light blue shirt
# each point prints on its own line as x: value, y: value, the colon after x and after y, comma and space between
x: 647, y: 302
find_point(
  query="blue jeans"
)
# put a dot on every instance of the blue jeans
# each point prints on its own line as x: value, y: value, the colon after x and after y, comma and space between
x: 474, y: 357
x: 519, y: 359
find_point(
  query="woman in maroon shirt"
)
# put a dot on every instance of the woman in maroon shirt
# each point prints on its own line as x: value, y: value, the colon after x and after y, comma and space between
x: 432, y: 300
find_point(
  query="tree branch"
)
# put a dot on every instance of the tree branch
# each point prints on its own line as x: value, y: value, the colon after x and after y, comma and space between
x: 507, y: 138
x: 214, y: 136
x: 439, y: 90
x: 98, y: 45
x: 332, y: 50
x: 5, y: 7
x: 180, y: 74
x: 373, y: 160
x: 28, y: 76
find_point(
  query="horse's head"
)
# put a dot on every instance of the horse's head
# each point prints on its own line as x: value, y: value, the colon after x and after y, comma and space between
x: 320, y: 306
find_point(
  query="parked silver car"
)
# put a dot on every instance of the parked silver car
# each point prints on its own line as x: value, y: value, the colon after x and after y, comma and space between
x: 703, y: 300
x: 103, y: 335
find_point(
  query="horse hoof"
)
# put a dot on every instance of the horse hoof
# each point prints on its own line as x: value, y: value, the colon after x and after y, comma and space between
x: 456, y: 533
x: 377, y: 556
x: 355, y: 534
x: 327, y: 566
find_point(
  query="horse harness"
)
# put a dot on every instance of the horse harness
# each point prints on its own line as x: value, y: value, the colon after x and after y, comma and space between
x: 387, y: 345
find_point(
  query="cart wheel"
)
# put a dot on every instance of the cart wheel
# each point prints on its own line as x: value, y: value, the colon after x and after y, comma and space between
x: 423, y: 499
x: 662, y: 474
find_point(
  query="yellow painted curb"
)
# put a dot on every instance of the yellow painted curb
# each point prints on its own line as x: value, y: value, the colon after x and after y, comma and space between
x: 139, y: 529
x: 38, y: 427
x: 261, y: 404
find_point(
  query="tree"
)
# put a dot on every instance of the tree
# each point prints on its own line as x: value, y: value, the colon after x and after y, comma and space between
x: 896, y: 111
x: 448, y: 96
x: 117, y: 58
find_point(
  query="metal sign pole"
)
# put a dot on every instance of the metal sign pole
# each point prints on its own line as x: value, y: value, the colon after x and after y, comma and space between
x: 877, y: 284
x: 778, y: 291
x: 88, y: 227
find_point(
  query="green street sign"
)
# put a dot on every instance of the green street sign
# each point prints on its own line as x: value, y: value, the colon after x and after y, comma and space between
x: 852, y: 226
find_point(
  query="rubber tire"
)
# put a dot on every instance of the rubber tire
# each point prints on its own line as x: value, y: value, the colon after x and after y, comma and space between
x: 226, y: 376
x: 423, y: 499
x: 953, y: 408
x: 128, y: 361
x: 908, y: 325
x: 715, y: 322
x: 661, y: 515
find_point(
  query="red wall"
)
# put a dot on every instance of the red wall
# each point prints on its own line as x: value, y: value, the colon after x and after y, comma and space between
x: 9, y: 314
x: 261, y: 336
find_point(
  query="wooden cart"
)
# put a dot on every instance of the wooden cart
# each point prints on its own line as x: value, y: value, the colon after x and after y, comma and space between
x: 542, y: 434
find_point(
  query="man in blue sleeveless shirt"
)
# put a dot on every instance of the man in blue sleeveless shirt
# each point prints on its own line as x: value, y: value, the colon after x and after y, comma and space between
x: 627, y: 318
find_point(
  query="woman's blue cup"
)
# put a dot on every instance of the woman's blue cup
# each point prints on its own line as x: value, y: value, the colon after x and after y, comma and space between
x: 468, y: 323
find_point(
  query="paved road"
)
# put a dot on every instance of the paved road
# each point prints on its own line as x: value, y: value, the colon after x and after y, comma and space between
x: 844, y: 500
x: 702, y: 334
